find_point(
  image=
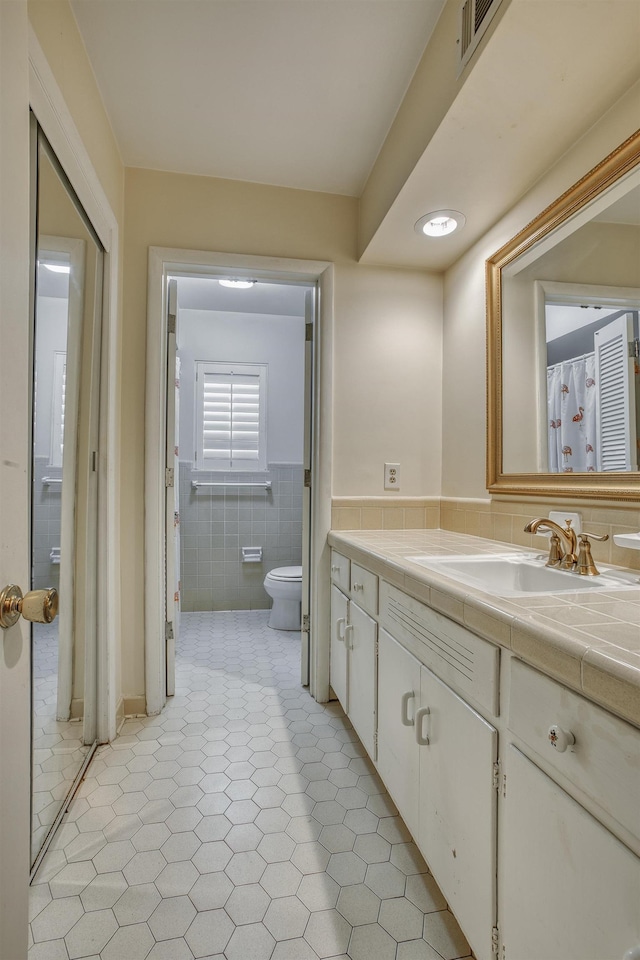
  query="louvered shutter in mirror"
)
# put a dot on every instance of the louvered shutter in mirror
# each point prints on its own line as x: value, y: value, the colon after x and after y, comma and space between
x: 615, y: 408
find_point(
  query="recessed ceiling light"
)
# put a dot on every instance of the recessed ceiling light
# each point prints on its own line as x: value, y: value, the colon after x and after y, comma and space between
x: 237, y: 284
x: 439, y: 223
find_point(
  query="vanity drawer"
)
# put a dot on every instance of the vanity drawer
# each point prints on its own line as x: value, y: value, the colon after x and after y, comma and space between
x: 465, y: 662
x: 364, y: 588
x: 604, y: 762
x: 340, y: 571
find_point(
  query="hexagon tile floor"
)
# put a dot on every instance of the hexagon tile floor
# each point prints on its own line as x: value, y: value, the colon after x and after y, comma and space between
x: 243, y: 823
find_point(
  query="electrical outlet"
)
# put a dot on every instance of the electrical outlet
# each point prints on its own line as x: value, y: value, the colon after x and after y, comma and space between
x: 392, y: 476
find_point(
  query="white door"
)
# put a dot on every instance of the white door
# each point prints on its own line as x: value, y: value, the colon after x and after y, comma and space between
x: 458, y: 808
x: 305, y: 611
x: 15, y: 443
x: 398, y: 701
x: 339, y: 620
x: 570, y: 890
x: 172, y: 546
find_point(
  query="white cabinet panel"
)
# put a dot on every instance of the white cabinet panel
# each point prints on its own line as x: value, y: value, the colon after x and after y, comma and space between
x: 570, y: 889
x: 458, y: 808
x: 398, y: 751
x: 338, y: 662
x: 364, y: 588
x: 340, y: 571
x: 361, y: 673
x: 605, y: 759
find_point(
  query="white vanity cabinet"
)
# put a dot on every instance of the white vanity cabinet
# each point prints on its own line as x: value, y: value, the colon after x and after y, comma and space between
x: 522, y: 794
x: 570, y: 888
x: 398, y: 749
x: 437, y: 755
x: 353, y: 650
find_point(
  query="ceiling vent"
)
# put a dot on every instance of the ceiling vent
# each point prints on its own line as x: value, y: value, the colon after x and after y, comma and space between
x: 474, y: 18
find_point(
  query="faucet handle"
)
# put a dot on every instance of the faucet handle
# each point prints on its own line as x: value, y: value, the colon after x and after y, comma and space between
x: 586, y: 566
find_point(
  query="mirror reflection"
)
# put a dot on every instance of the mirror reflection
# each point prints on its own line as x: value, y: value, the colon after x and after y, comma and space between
x: 66, y: 358
x: 570, y: 342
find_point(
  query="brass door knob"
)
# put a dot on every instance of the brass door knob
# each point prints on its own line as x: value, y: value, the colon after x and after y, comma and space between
x: 38, y: 606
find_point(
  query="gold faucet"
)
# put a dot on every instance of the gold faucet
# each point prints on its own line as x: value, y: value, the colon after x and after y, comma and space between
x: 565, y: 558
x: 562, y: 550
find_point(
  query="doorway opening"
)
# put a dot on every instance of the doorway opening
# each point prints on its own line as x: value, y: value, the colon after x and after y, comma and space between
x: 310, y: 284
x: 239, y: 362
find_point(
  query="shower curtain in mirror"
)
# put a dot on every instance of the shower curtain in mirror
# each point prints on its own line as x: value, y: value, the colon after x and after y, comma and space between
x: 571, y: 407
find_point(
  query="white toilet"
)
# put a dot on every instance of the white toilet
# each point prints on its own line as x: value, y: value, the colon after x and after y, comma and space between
x: 284, y: 586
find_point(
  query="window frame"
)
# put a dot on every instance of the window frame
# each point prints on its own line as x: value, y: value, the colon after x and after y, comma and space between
x: 230, y: 369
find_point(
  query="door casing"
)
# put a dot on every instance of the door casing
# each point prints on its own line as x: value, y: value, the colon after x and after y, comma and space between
x: 162, y: 263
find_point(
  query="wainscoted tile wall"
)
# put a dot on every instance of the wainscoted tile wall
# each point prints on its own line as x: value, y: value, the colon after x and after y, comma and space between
x: 216, y: 522
x: 493, y: 519
x: 384, y: 513
x: 47, y: 501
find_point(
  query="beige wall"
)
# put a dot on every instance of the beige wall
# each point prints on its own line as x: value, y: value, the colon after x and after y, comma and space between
x: 387, y: 342
x: 56, y: 31
x: 464, y: 427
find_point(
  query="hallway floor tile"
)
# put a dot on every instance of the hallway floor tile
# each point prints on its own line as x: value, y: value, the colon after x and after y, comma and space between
x: 245, y: 822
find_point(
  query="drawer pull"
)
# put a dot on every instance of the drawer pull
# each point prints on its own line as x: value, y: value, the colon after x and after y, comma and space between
x: 348, y: 630
x: 335, y: 568
x: 560, y: 739
x: 420, y: 715
x: 404, y: 708
x: 358, y: 587
x: 340, y: 633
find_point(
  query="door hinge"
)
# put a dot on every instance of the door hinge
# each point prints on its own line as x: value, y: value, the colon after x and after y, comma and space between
x: 496, y: 776
x: 305, y: 623
x: 634, y: 349
x: 495, y: 941
x: 307, y: 478
x: 308, y: 332
x: 168, y: 476
x: 168, y: 630
x: 377, y: 647
x: 171, y: 323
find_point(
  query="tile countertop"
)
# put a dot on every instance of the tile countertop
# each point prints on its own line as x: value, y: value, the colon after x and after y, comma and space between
x: 590, y: 642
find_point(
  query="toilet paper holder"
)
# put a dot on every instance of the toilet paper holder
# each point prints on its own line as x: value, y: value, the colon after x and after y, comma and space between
x: 252, y: 554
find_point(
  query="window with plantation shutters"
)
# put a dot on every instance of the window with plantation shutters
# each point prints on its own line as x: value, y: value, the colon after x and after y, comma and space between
x: 231, y: 416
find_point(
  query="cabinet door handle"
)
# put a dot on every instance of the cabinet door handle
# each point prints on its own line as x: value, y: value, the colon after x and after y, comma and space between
x: 348, y: 631
x: 420, y: 715
x: 560, y: 739
x: 404, y: 708
x: 339, y: 633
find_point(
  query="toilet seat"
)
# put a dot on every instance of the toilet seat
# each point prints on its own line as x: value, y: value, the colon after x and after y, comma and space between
x: 286, y: 573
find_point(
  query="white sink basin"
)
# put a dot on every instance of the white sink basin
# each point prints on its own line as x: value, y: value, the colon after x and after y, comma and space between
x: 513, y: 575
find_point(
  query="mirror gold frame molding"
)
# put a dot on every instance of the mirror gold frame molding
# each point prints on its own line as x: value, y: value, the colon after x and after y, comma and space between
x: 601, y: 486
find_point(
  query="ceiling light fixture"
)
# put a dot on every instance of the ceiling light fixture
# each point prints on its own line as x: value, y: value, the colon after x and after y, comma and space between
x: 237, y: 284
x: 57, y: 267
x: 439, y: 223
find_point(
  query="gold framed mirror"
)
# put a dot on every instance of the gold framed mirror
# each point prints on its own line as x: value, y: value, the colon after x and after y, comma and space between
x: 563, y: 343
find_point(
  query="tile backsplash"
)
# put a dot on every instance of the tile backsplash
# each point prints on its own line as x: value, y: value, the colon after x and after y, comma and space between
x: 216, y: 522
x: 493, y: 519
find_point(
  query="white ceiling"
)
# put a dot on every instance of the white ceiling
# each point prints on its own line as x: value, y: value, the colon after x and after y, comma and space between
x: 297, y: 93
x: 301, y: 93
